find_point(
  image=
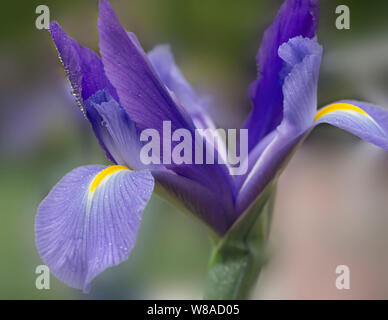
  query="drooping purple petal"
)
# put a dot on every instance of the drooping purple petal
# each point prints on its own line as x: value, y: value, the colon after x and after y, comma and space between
x: 141, y: 93
x: 86, y: 74
x: 89, y: 221
x: 364, y: 120
x: 302, y: 58
x: 295, y: 18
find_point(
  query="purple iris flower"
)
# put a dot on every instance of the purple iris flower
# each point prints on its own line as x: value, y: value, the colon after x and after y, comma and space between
x: 89, y: 221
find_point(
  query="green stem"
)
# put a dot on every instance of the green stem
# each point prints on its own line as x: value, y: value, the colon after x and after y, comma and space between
x: 238, y: 257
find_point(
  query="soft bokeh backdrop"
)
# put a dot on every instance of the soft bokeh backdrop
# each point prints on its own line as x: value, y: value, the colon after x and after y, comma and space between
x: 332, y: 200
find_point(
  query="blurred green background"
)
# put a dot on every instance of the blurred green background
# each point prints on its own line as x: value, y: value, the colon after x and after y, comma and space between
x: 43, y: 134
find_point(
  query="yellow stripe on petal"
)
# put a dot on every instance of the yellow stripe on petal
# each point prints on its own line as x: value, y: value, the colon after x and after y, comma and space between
x: 339, y: 107
x: 103, y: 174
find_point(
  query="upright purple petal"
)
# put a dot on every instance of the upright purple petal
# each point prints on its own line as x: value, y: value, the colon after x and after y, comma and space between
x: 86, y: 74
x: 163, y: 61
x: 82, y: 65
x: 147, y: 100
x: 302, y: 59
x: 89, y: 221
x: 164, y: 64
x: 140, y: 90
x: 295, y: 18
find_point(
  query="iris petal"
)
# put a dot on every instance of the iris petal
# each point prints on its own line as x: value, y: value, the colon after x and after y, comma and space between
x: 163, y: 61
x: 295, y: 18
x: 89, y: 221
x: 118, y: 131
x: 141, y: 93
x: 364, y: 120
x: 122, y: 138
x: 302, y: 57
x: 147, y: 100
x: 86, y: 74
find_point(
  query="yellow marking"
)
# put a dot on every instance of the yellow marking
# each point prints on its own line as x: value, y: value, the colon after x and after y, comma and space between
x: 339, y: 107
x: 105, y: 173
